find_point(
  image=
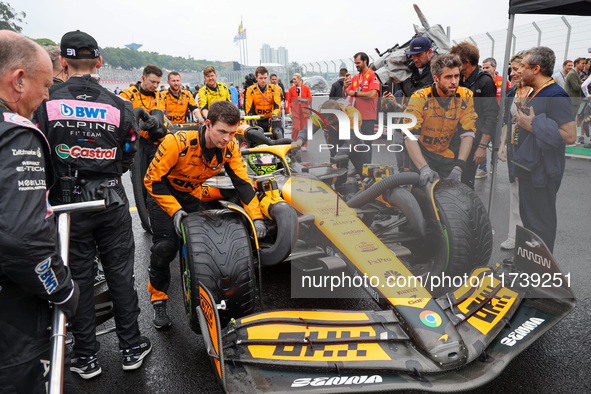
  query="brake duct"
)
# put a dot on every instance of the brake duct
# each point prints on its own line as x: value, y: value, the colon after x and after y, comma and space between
x: 287, y: 233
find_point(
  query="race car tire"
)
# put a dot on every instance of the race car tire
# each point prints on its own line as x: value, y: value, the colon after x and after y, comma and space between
x: 217, y: 252
x: 466, y: 227
x: 139, y: 191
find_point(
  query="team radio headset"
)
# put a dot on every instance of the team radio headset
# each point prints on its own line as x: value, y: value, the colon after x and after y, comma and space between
x: 3, y: 102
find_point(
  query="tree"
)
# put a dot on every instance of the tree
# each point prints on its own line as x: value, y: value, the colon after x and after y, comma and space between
x: 294, y: 67
x: 9, y: 18
x: 44, y: 42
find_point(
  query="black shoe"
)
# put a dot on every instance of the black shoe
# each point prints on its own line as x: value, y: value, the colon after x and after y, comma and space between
x: 161, y: 319
x: 87, y: 367
x: 134, y: 356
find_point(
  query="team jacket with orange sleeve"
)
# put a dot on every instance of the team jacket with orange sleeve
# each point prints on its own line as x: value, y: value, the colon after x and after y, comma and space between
x: 209, y: 95
x: 438, y: 119
x: 180, y: 164
x: 176, y: 107
x: 142, y: 98
x: 266, y: 102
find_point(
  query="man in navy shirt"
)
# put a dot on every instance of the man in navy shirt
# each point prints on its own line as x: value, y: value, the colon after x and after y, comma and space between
x: 545, y: 124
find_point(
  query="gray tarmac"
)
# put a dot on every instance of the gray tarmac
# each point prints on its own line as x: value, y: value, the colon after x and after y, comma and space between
x: 559, y: 362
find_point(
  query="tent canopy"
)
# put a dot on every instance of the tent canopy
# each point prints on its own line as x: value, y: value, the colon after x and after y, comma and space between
x: 555, y: 7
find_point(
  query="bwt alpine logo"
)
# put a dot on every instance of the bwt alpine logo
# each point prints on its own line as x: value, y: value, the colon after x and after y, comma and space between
x: 64, y: 151
x: 83, y: 112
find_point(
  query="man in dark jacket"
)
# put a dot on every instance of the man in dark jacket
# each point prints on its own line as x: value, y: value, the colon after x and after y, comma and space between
x: 31, y: 270
x: 421, y: 77
x: 93, y: 135
x: 485, y: 103
x: 420, y: 67
x: 544, y: 125
x: 336, y: 90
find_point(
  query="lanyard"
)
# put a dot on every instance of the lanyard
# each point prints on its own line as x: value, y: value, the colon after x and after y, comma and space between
x: 529, y: 98
x: 266, y: 96
x: 516, y: 129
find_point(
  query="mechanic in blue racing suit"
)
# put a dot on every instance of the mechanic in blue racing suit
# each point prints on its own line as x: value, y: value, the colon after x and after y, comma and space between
x: 31, y: 270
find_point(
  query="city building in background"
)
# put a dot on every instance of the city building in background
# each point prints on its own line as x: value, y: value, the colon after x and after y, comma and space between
x: 272, y: 55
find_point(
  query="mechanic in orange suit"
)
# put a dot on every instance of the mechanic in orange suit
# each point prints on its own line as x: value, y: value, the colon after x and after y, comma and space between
x: 183, y: 162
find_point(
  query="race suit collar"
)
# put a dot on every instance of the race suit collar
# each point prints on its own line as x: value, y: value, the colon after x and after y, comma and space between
x: 145, y: 92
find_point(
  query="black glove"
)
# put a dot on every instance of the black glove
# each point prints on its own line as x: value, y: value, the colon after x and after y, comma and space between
x: 455, y: 175
x: 261, y: 229
x: 177, y: 218
x: 92, y: 189
x: 69, y: 307
x: 426, y: 175
x: 148, y: 124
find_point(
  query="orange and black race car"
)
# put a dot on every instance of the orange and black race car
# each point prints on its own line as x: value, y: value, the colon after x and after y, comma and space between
x: 395, y: 240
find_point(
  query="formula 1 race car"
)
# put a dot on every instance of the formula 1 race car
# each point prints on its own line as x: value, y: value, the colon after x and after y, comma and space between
x: 425, y: 336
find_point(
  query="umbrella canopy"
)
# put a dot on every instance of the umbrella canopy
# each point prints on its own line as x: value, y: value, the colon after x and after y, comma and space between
x: 554, y: 7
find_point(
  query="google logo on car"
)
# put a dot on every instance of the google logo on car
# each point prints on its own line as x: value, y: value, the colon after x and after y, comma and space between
x: 430, y: 319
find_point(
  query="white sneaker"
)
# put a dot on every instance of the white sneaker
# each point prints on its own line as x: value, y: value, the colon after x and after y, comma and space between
x: 481, y: 174
x: 508, y: 244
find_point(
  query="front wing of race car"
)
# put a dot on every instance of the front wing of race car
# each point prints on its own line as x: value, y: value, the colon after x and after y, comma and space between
x: 496, y: 314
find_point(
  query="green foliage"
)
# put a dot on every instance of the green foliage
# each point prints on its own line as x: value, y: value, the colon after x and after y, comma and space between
x: 127, y: 59
x: 44, y: 42
x: 9, y: 18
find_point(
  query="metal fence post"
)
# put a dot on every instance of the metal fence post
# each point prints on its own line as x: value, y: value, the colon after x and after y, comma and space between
x: 492, y: 51
x: 568, y: 26
x: 539, y: 33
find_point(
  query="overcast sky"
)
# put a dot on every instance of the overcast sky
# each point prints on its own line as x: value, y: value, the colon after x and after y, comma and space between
x: 310, y: 29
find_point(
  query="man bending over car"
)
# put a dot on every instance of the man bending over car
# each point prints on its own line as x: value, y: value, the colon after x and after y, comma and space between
x: 184, y: 161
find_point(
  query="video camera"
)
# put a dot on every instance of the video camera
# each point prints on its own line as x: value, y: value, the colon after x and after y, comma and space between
x: 249, y: 80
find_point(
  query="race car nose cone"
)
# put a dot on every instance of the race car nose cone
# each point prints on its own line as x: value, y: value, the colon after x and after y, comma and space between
x: 450, y: 354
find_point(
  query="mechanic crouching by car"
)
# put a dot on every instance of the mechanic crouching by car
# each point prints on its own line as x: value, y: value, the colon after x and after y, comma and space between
x: 442, y: 110
x: 184, y: 161
x: 31, y: 269
x: 93, y: 134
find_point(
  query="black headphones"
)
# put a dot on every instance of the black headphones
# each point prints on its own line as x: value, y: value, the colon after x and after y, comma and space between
x: 20, y: 81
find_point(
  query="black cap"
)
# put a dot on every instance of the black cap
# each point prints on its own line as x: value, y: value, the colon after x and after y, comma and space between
x: 418, y: 45
x: 73, y: 41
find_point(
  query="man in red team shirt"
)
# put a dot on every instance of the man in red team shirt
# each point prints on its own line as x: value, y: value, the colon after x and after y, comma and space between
x: 490, y: 66
x: 362, y: 91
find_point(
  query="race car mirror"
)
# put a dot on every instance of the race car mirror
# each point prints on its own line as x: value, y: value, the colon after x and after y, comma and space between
x: 210, y: 328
